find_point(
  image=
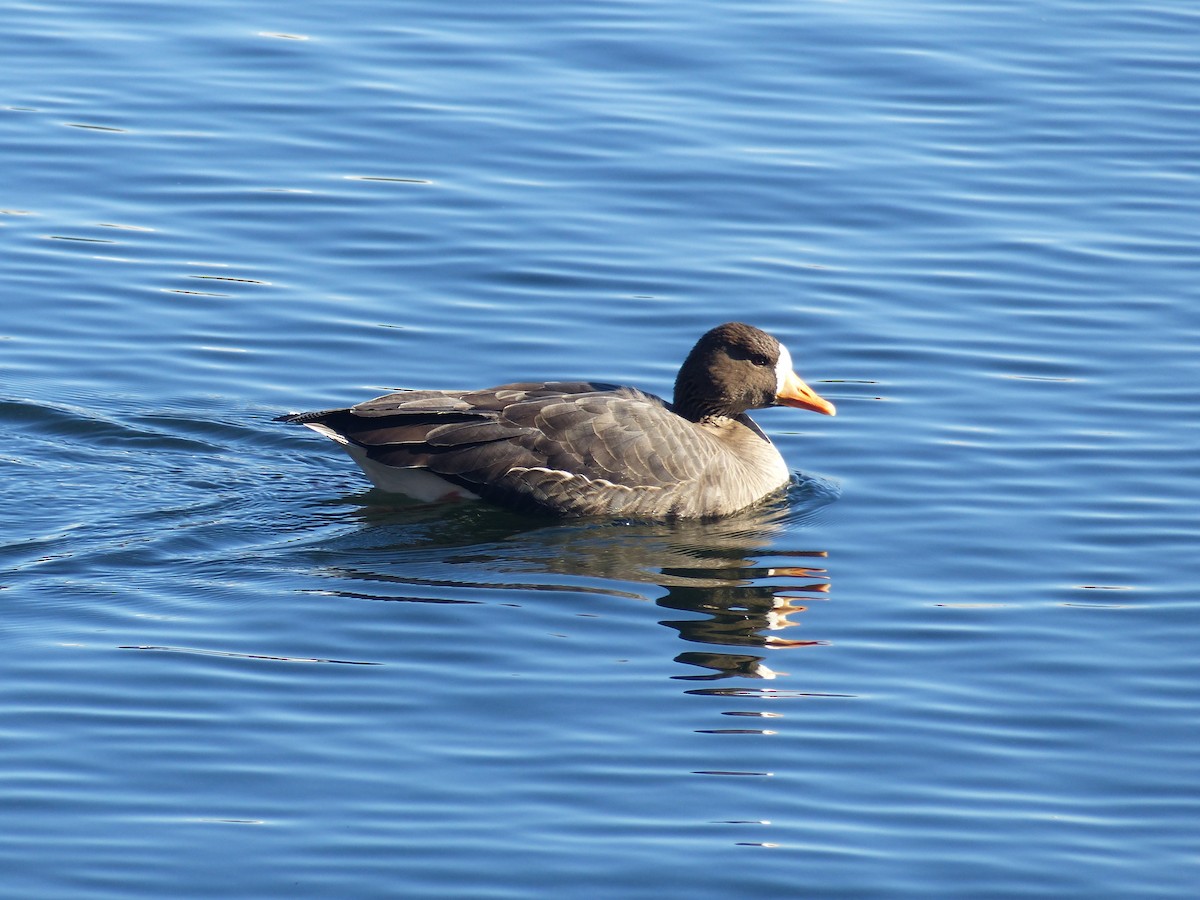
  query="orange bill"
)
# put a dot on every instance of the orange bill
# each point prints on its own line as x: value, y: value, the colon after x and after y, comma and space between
x: 798, y: 394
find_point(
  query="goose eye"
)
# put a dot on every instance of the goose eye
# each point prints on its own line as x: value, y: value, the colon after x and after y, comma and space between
x: 759, y: 360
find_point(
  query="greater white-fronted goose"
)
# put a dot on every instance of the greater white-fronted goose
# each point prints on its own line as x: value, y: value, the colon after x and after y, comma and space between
x: 577, y: 448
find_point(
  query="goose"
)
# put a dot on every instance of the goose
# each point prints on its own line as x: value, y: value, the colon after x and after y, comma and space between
x: 581, y: 448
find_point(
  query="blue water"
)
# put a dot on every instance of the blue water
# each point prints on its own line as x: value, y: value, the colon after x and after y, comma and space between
x: 959, y: 661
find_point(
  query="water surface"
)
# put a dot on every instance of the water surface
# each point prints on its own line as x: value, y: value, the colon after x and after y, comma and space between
x: 957, y: 660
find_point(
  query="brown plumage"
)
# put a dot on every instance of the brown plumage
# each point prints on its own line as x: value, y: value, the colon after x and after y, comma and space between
x: 574, y: 448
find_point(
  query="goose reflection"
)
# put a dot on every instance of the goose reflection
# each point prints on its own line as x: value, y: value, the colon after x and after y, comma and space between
x: 746, y: 613
x: 734, y: 581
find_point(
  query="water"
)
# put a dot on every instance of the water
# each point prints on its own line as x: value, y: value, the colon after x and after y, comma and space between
x: 958, y: 661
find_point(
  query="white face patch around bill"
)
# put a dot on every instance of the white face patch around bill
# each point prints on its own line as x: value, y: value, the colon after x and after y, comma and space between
x: 783, y: 369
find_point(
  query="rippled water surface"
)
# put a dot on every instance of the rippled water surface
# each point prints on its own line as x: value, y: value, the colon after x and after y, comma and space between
x: 959, y: 660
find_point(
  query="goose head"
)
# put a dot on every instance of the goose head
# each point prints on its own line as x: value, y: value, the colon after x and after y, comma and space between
x: 736, y: 367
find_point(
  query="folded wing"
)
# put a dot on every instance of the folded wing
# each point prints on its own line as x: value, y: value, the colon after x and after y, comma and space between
x: 577, y: 448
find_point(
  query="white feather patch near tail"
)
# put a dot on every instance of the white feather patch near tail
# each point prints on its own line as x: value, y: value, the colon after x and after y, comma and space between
x: 419, y: 484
